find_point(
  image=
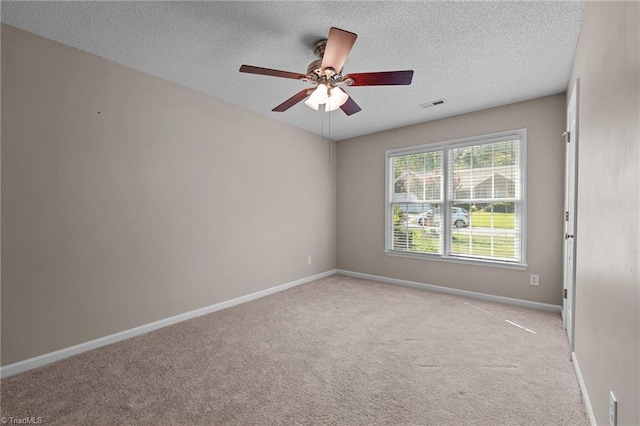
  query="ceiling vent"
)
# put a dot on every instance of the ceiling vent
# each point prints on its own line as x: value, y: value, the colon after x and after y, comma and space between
x: 432, y: 103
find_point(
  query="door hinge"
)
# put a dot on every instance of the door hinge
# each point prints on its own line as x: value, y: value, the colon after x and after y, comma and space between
x: 565, y: 293
x: 567, y: 136
x: 566, y: 216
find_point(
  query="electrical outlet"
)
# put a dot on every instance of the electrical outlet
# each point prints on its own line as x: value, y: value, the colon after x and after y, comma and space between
x: 309, y: 260
x: 613, y: 409
x: 534, y: 279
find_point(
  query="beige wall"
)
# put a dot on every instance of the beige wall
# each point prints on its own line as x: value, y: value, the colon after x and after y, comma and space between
x: 164, y: 202
x: 361, y: 202
x: 607, y: 339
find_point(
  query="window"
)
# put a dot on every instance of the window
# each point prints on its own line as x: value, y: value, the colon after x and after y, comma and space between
x: 461, y: 200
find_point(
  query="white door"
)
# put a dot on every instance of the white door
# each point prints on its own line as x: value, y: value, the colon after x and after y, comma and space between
x: 570, y: 184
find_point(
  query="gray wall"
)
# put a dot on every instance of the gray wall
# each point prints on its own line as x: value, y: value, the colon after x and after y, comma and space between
x: 164, y: 202
x: 361, y: 202
x: 607, y: 316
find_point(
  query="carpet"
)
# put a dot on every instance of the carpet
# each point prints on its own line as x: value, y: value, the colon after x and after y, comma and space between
x: 338, y: 351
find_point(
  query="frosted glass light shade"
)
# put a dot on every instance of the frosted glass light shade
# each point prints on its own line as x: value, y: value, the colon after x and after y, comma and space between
x: 336, y: 100
x: 333, y: 99
x: 319, y: 96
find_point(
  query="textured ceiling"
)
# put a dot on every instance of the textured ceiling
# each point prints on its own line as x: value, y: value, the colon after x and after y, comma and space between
x: 475, y: 55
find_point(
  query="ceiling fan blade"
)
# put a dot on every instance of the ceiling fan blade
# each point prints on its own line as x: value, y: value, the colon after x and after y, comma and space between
x: 384, y: 78
x: 350, y: 107
x: 339, y: 44
x: 292, y: 101
x: 273, y: 73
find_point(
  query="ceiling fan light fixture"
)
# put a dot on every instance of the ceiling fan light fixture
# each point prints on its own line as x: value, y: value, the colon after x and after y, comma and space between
x: 332, y: 98
x: 319, y: 96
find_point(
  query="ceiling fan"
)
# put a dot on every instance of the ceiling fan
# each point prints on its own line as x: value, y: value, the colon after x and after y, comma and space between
x: 325, y: 73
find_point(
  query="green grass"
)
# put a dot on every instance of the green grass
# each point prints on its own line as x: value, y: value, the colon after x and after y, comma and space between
x: 425, y: 241
x: 482, y: 245
x: 482, y: 219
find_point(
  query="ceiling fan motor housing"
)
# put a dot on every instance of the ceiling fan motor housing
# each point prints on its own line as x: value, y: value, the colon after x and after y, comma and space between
x: 315, y: 71
x: 314, y: 68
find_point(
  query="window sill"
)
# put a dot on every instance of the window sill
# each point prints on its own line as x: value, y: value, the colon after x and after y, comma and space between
x: 458, y: 260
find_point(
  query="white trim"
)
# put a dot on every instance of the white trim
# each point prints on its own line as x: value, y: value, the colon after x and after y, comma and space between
x: 583, y: 389
x: 388, y: 216
x: 455, y: 291
x: 573, y: 145
x: 41, y: 360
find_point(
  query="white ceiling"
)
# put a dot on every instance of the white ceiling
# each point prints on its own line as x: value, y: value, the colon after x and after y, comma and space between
x: 475, y: 55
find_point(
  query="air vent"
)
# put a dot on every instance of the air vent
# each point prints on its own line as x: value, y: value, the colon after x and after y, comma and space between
x: 432, y: 103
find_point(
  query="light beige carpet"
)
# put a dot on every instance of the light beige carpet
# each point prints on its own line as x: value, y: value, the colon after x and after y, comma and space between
x: 339, y: 351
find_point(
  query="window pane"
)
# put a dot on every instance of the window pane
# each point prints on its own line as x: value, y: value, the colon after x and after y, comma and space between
x: 492, y: 231
x: 417, y: 186
x: 416, y: 233
x: 417, y: 177
x: 485, y: 171
x: 479, y: 175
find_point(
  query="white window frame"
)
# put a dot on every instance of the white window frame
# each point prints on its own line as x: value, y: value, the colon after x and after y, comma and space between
x: 445, y: 216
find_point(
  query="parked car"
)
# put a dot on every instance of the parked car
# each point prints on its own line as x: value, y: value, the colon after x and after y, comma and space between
x: 459, y: 217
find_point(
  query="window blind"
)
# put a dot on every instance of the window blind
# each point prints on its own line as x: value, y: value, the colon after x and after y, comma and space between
x: 461, y: 199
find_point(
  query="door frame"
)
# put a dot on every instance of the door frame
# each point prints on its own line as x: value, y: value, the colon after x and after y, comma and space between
x: 570, y: 222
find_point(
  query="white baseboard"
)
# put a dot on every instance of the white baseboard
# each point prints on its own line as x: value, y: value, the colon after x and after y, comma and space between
x: 455, y: 291
x: 41, y: 360
x: 583, y: 389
